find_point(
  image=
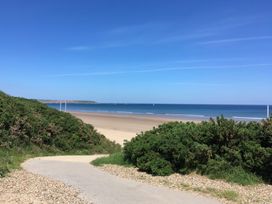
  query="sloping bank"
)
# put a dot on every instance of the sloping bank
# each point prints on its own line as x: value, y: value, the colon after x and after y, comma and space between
x: 29, y: 128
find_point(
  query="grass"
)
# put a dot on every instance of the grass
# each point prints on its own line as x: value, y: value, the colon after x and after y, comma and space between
x: 12, y: 159
x: 115, y: 158
x: 237, y: 175
x: 227, y: 194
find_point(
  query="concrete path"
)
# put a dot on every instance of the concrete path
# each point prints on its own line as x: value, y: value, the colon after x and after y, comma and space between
x: 102, y: 188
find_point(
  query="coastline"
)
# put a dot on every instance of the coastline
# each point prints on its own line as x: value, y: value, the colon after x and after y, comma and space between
x: 119, y: 127
x: 174, y: 111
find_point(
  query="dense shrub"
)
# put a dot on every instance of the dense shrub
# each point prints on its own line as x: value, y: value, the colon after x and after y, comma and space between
x: 26, y: 124
x: 153, y: 163
x: 216, y: 147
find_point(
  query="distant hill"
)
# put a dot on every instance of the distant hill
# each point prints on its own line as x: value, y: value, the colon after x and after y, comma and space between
x: 67, y: 101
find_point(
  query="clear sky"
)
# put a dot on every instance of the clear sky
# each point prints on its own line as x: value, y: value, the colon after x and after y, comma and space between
x: 138, y: 51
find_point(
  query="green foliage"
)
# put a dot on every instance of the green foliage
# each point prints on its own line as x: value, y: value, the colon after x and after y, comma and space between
x: 217, y: 169
x: 153, y: 163
x: 29, y: 124
x: 239, y: 152
x: 115, y: 158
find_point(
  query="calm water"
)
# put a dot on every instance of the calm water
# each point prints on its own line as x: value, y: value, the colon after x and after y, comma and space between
x: 239, y: 112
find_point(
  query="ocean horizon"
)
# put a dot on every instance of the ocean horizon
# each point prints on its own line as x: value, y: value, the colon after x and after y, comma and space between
x: 190, y: 111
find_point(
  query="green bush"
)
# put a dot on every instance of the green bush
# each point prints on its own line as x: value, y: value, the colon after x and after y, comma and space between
x: 216, y: 147
x: 153, y: 163
x: 29, y: 124
x: 220, y: 169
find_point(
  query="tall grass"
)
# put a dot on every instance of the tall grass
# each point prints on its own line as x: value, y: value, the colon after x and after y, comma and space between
x: 115, y: 158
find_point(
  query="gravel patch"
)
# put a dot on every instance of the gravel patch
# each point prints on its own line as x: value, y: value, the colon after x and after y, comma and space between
x: 25, y: 188
x: 260, y: 193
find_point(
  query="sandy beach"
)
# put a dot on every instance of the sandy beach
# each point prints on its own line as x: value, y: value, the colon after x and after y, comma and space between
x: 120, y: 127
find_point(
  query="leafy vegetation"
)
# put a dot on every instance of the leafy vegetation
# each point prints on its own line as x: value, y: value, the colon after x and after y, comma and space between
x: 28, y: 127
x: 115, y: 158
x: 238, y: 152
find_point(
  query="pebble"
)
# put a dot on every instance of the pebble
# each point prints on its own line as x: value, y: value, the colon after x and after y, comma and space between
x: 23, y: 187
x: 254, y: 194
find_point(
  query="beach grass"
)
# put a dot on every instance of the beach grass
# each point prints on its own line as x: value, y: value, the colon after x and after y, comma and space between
x: 236, y: 175
x: 12, y: 158
x: 115, y: 158
x: 230, y: 195
x: 227, y: 194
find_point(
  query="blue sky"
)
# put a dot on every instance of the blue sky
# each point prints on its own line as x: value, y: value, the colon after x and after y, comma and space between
x: 138, y: 51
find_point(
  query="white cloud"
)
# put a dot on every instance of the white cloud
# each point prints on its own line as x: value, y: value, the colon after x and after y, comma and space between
x: 162, y: 69
x: 230, y: 40
x: 153, y: 33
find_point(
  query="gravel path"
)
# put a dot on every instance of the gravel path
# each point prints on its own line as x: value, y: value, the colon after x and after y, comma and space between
x: 22, y: 187
x: 104, y: 188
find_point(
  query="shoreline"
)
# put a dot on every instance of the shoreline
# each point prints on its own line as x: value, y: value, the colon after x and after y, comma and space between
x: 172, y: 116
x: 193, y: 112
x: 119, y: 127
x: 151, y: 116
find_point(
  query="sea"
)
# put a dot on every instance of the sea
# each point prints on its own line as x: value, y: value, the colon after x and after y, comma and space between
x: 184, y: 111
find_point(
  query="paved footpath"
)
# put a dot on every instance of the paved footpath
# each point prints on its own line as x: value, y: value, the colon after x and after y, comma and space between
x: 100, y: 187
